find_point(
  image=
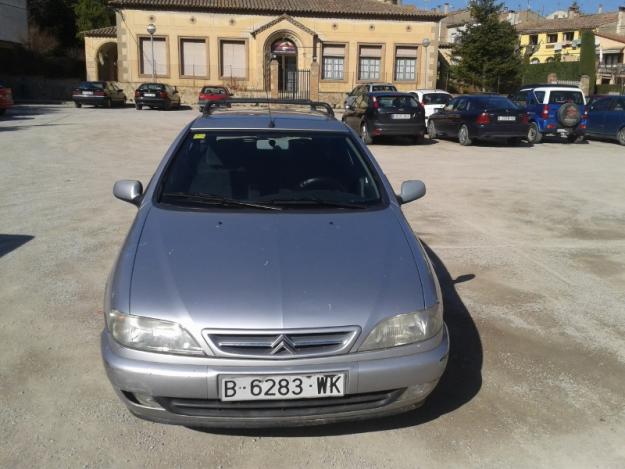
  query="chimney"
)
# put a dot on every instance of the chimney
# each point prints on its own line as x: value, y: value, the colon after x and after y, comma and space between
x: 620, y: 24
x: 574, y: 10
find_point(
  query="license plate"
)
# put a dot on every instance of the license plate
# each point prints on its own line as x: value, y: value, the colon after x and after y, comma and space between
x: 149, y: 95
x: 280, y: 387
x: 400, y: 116
x: 506, y: 118
x: 87, y: 93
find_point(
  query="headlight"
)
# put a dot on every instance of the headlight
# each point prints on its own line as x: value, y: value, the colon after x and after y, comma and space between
x: 151, y: 335
x: 405, y: 329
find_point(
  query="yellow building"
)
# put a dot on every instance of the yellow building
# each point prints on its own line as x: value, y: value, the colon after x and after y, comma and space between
x: 309, y: 48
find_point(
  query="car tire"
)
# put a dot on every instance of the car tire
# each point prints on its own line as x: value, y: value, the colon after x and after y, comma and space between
x: 620, y: 136
x: 138, y: 107
x: 77, y: 104
x: 534, y: 135
x: 432, y: 133
x: 463, y: 136
x: 364, y: 134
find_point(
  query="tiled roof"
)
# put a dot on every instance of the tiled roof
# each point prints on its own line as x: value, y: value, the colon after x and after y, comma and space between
x: 336, y: 8
x: 109, y: 31
x: 569, y: 24
x: 612, y: 36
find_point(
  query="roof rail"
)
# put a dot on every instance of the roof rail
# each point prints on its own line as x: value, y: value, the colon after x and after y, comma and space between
x: 295, y: 102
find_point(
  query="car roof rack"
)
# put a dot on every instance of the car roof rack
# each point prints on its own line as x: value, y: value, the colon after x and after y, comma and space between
x: 314, y: 105
x: 547, y: 85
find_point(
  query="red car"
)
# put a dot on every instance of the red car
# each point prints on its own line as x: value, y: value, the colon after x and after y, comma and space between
x: 211, y: 94
x: 6, y: 98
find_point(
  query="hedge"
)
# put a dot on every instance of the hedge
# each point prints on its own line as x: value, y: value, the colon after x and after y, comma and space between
x: 538, y: 73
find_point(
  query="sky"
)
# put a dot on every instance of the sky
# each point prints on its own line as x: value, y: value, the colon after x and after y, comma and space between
x: 548, y: 6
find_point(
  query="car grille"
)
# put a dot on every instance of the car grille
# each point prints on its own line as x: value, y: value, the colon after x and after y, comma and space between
x: 283, y: 408
x: 281, y: 344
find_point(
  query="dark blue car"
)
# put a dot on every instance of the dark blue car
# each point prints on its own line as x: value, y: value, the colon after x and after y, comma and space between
x: 553, y: 110
x: 606, y: 118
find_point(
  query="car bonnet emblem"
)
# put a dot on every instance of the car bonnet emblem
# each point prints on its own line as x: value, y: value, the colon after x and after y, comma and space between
x: 282, y: 344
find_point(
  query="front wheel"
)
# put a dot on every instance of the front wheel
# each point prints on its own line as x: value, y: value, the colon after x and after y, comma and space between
x: 364, y: 134
x: 620, y: 136
x: 463, y: 136
x: 432, y: 130
x: 534, y: 135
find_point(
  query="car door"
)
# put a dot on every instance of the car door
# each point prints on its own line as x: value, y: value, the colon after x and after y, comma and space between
x: 350, y: 117
x: 597, y: 116
x: 351, y: 97
x: 455, y: 117
x: 441, y: 118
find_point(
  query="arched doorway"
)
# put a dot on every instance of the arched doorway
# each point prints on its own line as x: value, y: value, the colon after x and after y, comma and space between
x: 107, y: 62
x: 285, y: 52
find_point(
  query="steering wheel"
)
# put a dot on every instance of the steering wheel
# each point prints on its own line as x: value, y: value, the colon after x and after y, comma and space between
x: 322, y: 183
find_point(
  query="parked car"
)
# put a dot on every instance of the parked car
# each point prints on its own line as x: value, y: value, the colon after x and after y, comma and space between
x: 606, y: 118
x: 553, y: 110
x: 366, y: 88
x: 387, y: 113
x: 157, y: 95
x: 211, y: 94
x: 6, y: 98
x: 98, y: 93
x: 432, y: 100
x: 480, y: 116
x: 271, y: 279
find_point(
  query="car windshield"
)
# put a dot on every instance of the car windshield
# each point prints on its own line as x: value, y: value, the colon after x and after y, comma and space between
x: 213, y: 90
x: 383, y: 88
x: 436, y: 98
x: 152, y: 87
x: 285, y: 170
x: 495, y: 102
x: 92, y: 85
x: 396, y: 101
x: 566, y: 96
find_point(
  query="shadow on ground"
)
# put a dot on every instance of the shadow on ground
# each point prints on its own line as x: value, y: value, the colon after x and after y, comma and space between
x: 9, y: 243
x: 460, y: 383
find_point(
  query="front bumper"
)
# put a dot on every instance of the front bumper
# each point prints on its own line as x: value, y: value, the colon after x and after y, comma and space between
x: 390, y: 381
x: 396, y: 129
x: 154, y: 102
x: 95, y: 100
x: 501, y: 131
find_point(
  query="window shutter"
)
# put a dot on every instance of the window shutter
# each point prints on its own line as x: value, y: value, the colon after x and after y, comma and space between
x: 334, y: 51
x: 233, y: 59
x: 193, y: 57
x: 371, y: 51
x: 409, y: 52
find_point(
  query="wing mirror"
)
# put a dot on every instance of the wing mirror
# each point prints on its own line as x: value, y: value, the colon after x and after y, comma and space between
x: 128, y: 191
x: 411, y: 190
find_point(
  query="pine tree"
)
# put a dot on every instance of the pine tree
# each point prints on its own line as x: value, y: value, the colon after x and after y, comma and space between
x: 587, y: 58
x: 91, y: 14
x: 487, y: 52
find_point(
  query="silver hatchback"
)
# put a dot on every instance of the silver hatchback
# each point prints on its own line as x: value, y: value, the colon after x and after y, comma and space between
x: 270, y: 278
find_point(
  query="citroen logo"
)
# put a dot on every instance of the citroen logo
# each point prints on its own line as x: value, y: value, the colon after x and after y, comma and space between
x: 282, y: 344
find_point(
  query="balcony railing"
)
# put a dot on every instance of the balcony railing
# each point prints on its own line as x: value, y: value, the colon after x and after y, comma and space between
x: 615, y: 69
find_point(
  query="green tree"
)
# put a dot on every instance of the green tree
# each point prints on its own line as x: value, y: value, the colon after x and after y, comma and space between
x: 487, y: 52
x: 587, y: 58
x: 91, y: 14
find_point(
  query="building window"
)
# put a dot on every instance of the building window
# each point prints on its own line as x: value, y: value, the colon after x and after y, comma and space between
x: 569, y: 36
x: 160, y: 65
x: 369, y: 62
x: 406, y: 63
x: 233, y: 59
x: 333, y: 62
x: 193, y: 58
x: 611, y: 60
x: 533, y: 40
x: 551, y: 38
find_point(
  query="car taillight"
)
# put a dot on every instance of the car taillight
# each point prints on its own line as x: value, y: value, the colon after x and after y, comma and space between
x: 545, y: 111
x: 137, y: 94
x: 376, y: 105
x: 525, y: 118
x: 483, y: 119
x: 163, y: 94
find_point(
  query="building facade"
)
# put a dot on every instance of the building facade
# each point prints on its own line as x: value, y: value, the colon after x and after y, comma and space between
x: 312, y: 48
x: 13, y: 22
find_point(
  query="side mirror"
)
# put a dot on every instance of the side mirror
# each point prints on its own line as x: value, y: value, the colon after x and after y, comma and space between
x: 128, y: 191
x: 411, y: 190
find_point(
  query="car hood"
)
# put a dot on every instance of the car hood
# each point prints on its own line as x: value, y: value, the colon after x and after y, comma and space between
x: 261, y: 270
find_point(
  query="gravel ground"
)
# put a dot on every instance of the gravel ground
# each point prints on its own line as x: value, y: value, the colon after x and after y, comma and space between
x: 529, y: 244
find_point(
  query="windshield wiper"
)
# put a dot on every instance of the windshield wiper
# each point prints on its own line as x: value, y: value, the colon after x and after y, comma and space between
x: 317, y: 202
x: 212, y: 199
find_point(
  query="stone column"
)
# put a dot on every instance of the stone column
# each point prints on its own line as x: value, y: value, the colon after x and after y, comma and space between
x: 314, y: 81
x: 584, y: 84
x: 273, y: 68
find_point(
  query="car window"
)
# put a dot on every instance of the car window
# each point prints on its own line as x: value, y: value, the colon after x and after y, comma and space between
x: 521, y: 99
x: 601, y: 104
x: 540, y: 96
x: 566, y: 96
x: 396, y: 101
x: 383, y: 88
x: 213, y: 90
x: 435, y: 98
x: 620, y: 105
x: 92, y: 85
x: 362, y: 101
x: 268, y: 167
x: 495, y: 102
x: 151, y: 87
x: 450, y: 106
x: 461, y: 105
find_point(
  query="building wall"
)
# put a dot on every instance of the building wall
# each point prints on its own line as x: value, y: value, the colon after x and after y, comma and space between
x: 13, y: 21
x: 131, y: 25
x: 546, y: 51
x: 92, y: 46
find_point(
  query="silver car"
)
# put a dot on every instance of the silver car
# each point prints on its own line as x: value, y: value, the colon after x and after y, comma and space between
x: 271, y: 279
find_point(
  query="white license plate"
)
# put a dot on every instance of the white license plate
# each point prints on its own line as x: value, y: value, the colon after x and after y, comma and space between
x: 149, y: 95
x: 279, y: 387
x: 87, y: 93
x: 506, y: 118
x: 400, y: 116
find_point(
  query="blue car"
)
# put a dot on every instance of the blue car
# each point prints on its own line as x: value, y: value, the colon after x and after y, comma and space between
x: 553, y: 110
x: 606, y: 118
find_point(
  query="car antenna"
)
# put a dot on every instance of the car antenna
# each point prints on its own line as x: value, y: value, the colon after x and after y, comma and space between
x: 272, y: 124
